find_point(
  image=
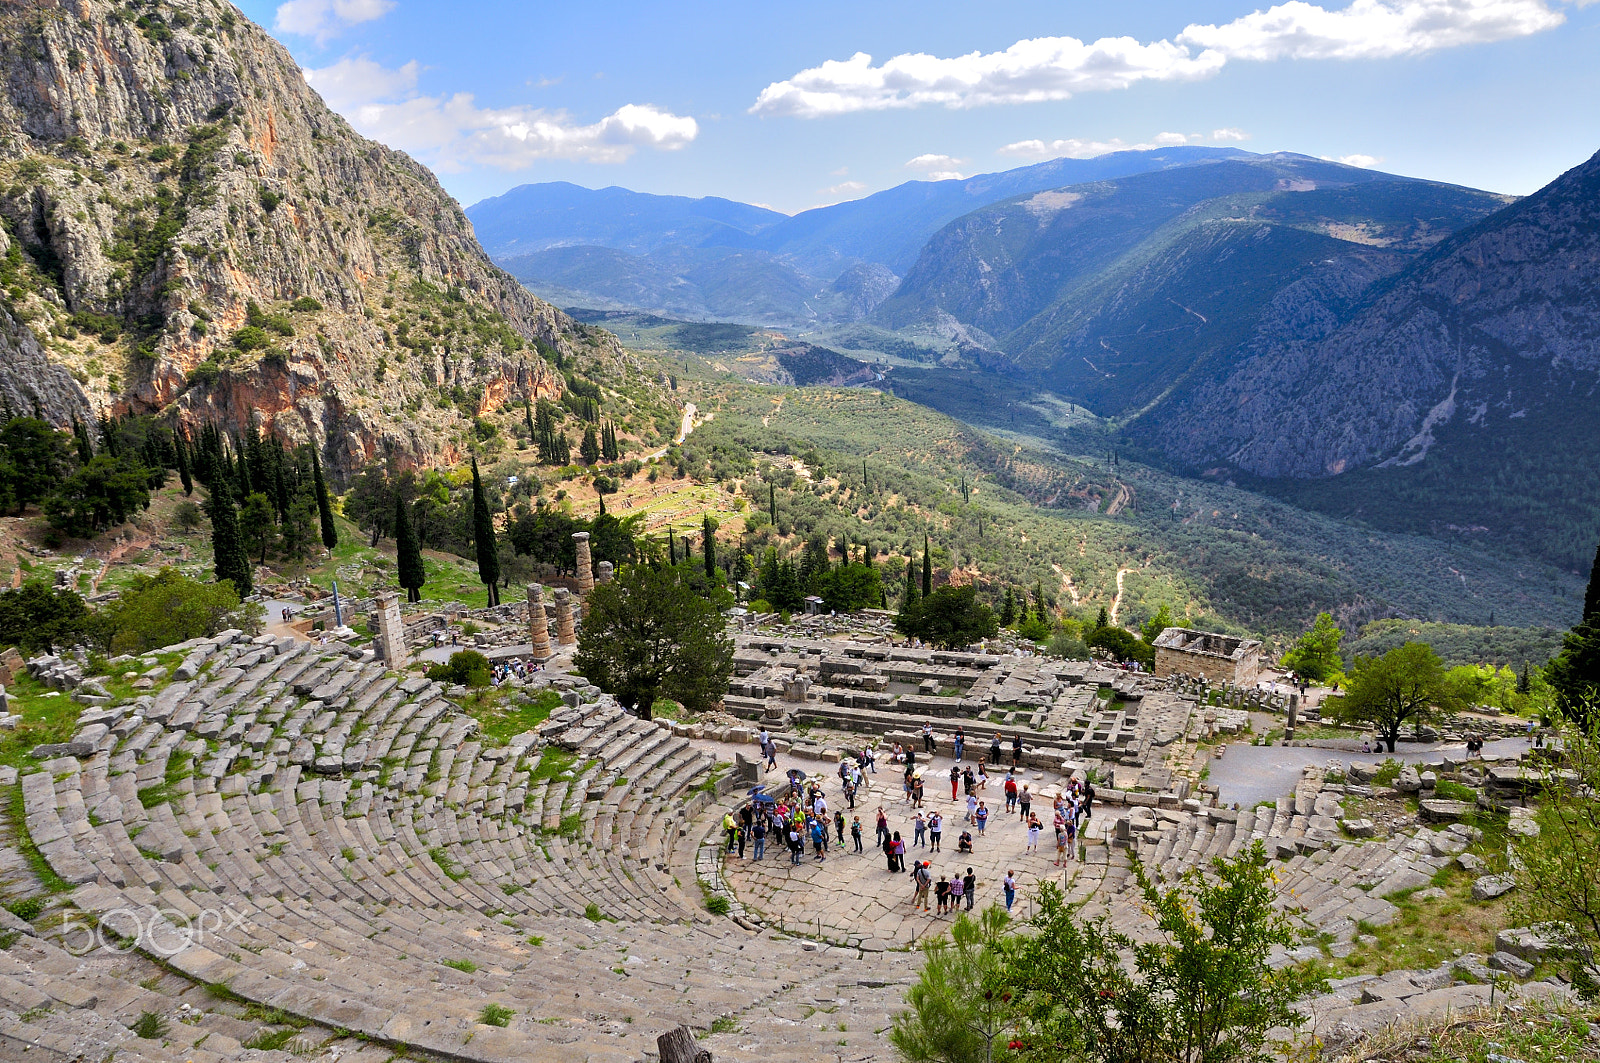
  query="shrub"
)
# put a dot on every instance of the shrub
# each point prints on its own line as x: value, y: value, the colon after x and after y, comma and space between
x: 495, y: 1015
x: 469, y: 668
x: 305, y: 305
x: 717, y: 904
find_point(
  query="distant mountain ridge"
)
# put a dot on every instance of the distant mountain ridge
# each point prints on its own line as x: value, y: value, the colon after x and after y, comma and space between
x: 679, y: 253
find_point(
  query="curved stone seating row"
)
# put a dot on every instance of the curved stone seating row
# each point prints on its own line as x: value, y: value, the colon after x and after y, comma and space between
x: 364, y: 833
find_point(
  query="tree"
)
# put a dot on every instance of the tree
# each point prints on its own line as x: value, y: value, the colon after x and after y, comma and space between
x: 927, y: 568
x: 1202, y: 990
x: 168, y: 607
x: 1121, y: 645
x: 330, y: 533
x: 708, y: 534
x: 1407, y: 683
x: 1558, y: 889
x: 849, y: 587
x: 227, y: 548
x: 408, y: 555
x: 187, y: 516
x: 1151, y: 629
x: 1008, y: 608
x: 1316, y: 655
x: 590, y: 447
x: 651, y: 634
x: 1591, y: 595
x: 257, y: 528
x: 299, y: 526
x: 466, y: 667
x: 950, y: 618
x: 370, y: 503
x: 1574, y: 673
x: 483, y: 539
x: 37, y: 458
x: 1103, y: 620
x: 106, y: 491
x: 39, y: 617
x: 960, y: 1003
x: 185, y: 477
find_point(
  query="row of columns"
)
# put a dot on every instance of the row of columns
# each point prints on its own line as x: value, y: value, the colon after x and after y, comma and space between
x: 568, y: 607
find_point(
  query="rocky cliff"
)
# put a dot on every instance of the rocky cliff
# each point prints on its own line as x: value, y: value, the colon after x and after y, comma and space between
x: 189, y: 229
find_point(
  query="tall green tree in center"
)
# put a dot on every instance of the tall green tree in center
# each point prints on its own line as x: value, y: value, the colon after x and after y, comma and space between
x: 483, y: 538
x: 927, y: 568
x: 330, y: 533
x: 227, y: 546
x: 408, y: 554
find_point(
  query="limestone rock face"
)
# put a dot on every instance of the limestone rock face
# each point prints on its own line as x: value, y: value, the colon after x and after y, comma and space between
x: 165, y: 169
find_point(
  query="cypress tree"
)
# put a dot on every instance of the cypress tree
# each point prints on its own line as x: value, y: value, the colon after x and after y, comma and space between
x: 408, y: 554
x: 772, y: 503
x: 1591, y: 597
x: 80, y: 434
x: 184, y: 475
x: 911, y: 580
x: 672, y: 547
x: 330, y: 534
x: 708, y: 531
x: 227, y: 546
x: 590, y: 448
x: 483, y: 539
x: 927, y: 569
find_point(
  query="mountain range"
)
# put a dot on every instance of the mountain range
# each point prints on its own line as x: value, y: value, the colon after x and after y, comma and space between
x: 1415, y: 355
x: 714, y: 258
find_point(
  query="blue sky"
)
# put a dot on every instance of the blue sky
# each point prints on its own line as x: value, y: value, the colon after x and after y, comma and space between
x: 778, y: 103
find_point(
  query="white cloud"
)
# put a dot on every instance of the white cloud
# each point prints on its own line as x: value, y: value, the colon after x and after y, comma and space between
x: 448, y: 132
x: 1073, y: 148
x: 1372, y: 29
x: 1055, y: 68
x: 934, y: 162
x: 1229, y: 134
x: 323, y: 19
x: 844, y: 188
x: 1363, y: 161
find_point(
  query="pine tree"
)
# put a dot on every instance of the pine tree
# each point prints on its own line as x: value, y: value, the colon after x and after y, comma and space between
x: 80, y: 435
x: 185, y: 477
x: 227, y: 547
x: 330, y: 533
x: 927, y: 568
x: 408, y: 554
x: 1008, y: 607
x: 1591, y: 597
x: 590, y: 448
x: 1104, y: 619
x: 483, y: 539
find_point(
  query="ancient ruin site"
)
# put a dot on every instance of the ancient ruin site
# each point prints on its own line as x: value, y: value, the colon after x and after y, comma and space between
x: 282, y: 847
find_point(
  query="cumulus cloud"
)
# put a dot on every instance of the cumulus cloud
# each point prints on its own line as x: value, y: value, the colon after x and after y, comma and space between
x: 450, y: 131
x: 1055, y: 68
x: 323, y: 19
x: 844, y: 188
x: 1229, y: 134
x: 934, y: 162
x: 1363, y: 161
x: 1371, y: 29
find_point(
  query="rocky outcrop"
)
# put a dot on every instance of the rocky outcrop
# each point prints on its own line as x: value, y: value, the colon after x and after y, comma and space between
x: 1486, y: 330
x: 196, y: 233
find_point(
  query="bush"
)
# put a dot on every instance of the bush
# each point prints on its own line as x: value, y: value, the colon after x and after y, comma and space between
x: 469, y: 668
x: 168, y: 607
x: 717, y: 904
x: 251, y: 338
x: 305, y: 305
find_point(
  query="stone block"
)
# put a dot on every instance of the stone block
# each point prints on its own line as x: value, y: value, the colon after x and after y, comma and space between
x: 1409, y: 780
x: 1511, y: 964
x: 1435, y: 810
x: 1532, y: 943
x: 1360, y: 828
x: 1491, y: 886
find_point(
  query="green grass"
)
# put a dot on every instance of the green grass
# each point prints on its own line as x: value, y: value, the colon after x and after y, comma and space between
x: 1454, y: 791
x: 717, y: 904
x: 151, y: 1025
x: 465, y: 966
x: 552, y: 762
x: 16, y: 811
x: 495, y: 1015
x: 179, y: 767
x: 48, y: 718
x: 503, y: 714
x: 271, y: 1040
x: 452, y: 870
x: 1536, y: 1031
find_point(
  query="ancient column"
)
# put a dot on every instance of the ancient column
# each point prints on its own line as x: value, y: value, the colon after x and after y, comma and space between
x: 1294, y: 713
x: 391, y: 640
x: 566, y: 633
x: 604, y: 571
x: 538, y: 624
x: 585, y: 564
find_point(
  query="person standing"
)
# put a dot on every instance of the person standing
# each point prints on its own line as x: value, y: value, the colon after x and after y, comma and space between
x: 883, y: 828
x: 941, y: 894
x: 759, y: 832
x: 919, y: 829
x: 923, y: 879
x: 972, y: 806
x: 994, y: 748
x: 935, y: 826
x: 1024, y: 802
x: 729, y: 827
x: 1010, y: 884
x: 969, y: 888
x: 955, y: 780
x: 855, y: 832
x: 899, y: 846
x: 956, y: 886
x: 927, y: 738
x: 1011, y: 793
x: 1016, y: 750
x: 838, y: 826
x: 1033, y: 836
x: 960, y: 742
x: 981, y: 817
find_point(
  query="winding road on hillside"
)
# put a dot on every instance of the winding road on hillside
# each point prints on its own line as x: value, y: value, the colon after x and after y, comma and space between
x: 684, y: 429
x: 1116, y: 603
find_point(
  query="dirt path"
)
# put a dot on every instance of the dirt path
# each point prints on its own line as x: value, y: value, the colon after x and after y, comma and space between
x: 1116, y: 603
x: 777, y: 405
x: 1066, y: 583
x: 1124, y: 496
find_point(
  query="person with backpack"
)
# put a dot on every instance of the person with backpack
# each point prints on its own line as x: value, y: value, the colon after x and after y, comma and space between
x: 899, y: 857
x: 838, y: 826
x: 759, y: 833
x: 923, y: 878
x: 935, y: 826
x: 941, y: 894
x: 855, y: 832
x: 1010, y: 885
